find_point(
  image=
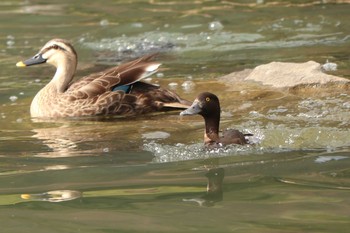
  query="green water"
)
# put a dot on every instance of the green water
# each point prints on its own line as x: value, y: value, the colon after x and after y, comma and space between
x: 150, y: 173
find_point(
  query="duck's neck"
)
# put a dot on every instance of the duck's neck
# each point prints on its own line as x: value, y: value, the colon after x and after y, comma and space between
x: 63, y: 76
x: 212, y: 128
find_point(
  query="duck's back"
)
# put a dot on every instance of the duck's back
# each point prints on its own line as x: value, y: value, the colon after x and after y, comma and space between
x: 233, y: 136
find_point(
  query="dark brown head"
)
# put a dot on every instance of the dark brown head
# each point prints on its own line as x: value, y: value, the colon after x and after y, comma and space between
x: 206, y: 104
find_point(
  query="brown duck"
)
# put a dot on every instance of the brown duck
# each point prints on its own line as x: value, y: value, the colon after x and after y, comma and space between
x: 208, y: 106
x: 115, y: 91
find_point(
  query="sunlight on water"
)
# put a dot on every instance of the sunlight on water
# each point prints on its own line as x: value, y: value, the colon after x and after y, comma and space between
x: 53, y: 196
x: 300, y: 32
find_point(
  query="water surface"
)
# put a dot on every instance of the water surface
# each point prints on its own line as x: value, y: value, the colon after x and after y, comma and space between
x: 150, y: 173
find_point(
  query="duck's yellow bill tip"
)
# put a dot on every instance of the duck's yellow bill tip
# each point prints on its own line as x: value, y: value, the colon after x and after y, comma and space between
x: 25, y: 196
x: 20, y: 64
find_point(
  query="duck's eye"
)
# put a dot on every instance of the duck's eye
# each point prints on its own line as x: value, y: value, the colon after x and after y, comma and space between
x: 207, y: 99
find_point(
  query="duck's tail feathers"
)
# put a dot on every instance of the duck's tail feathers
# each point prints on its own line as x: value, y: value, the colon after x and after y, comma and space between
x: 149, y: 70
x: 178, y: 105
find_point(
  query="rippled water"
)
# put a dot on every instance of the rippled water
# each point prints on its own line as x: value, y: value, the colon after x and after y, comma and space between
x: 150, y: 173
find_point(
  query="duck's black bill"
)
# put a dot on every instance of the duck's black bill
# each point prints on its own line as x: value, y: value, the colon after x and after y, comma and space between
x: 37, y: 59
x: 194, y: 109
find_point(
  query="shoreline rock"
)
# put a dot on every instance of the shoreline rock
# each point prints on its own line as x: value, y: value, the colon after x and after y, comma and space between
x: 287, y: 75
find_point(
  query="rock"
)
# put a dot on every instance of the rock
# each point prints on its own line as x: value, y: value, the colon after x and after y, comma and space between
x: 286, y: 75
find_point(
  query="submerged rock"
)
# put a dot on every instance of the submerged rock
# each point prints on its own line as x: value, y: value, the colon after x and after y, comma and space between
x: 286, y: 75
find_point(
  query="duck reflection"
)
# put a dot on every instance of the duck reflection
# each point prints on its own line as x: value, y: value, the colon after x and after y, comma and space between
x: 214, y: 192
x: 83, y: 138
x: 64, y: 141
x: 53, y: 196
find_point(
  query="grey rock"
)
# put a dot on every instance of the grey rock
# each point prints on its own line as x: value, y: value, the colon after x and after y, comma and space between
x: 286, y: 75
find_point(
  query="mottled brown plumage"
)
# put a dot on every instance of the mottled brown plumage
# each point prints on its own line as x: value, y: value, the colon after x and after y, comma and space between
x: 102, y: 93
x: 208, y: 106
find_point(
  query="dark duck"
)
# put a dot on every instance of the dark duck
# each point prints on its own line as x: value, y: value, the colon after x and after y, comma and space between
x: 208, y: 106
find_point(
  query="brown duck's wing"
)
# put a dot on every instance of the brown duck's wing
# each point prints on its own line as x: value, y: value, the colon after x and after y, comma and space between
x: 124, y: 74
x: 233, y: 136
x: 144, y: 98
x: 157, y: 97
x: 115, y: 103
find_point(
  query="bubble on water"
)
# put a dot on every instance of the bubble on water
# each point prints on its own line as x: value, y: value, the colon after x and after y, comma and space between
x: 346, y: 105
x: 13, y: 98
x: 215, y: 26
x: 156, y: 135
x: 313, y: 114
x: 82, y: 39
x: 105, y: 150
x: 104, y: 22
x: 323, y: 159
x: 255, y: 114
x: 257, y: 138
x: 226, y: 114
x: 311, y: 104
x: 280, y: 109
x: 173, y: 85
x: 10, y: 43
x: 188, y: 85
x: 19, y: 120
x: 190, y: 26
x: 57, y: 167
x: 182, y: 38
x: 137, y: 25
x: 298, y: 21
x: 160, y: 75
x: 329, y: 66
x: 245, y: 106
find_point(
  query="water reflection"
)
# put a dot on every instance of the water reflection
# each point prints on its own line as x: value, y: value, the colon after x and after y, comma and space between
x: 86, y: 137
x: 214, y: 192
x: 53, y: 196
x: 60, y: 141
x: 64, y: 140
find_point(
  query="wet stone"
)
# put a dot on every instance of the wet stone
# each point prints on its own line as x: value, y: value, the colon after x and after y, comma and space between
x: 286, y: 75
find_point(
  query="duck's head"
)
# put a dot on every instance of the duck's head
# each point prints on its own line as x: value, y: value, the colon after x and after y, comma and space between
x: 206, y: 104
x: 54, y: 52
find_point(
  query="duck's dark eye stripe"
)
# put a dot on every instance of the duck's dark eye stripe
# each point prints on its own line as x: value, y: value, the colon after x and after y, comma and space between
x: 55, y: 46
